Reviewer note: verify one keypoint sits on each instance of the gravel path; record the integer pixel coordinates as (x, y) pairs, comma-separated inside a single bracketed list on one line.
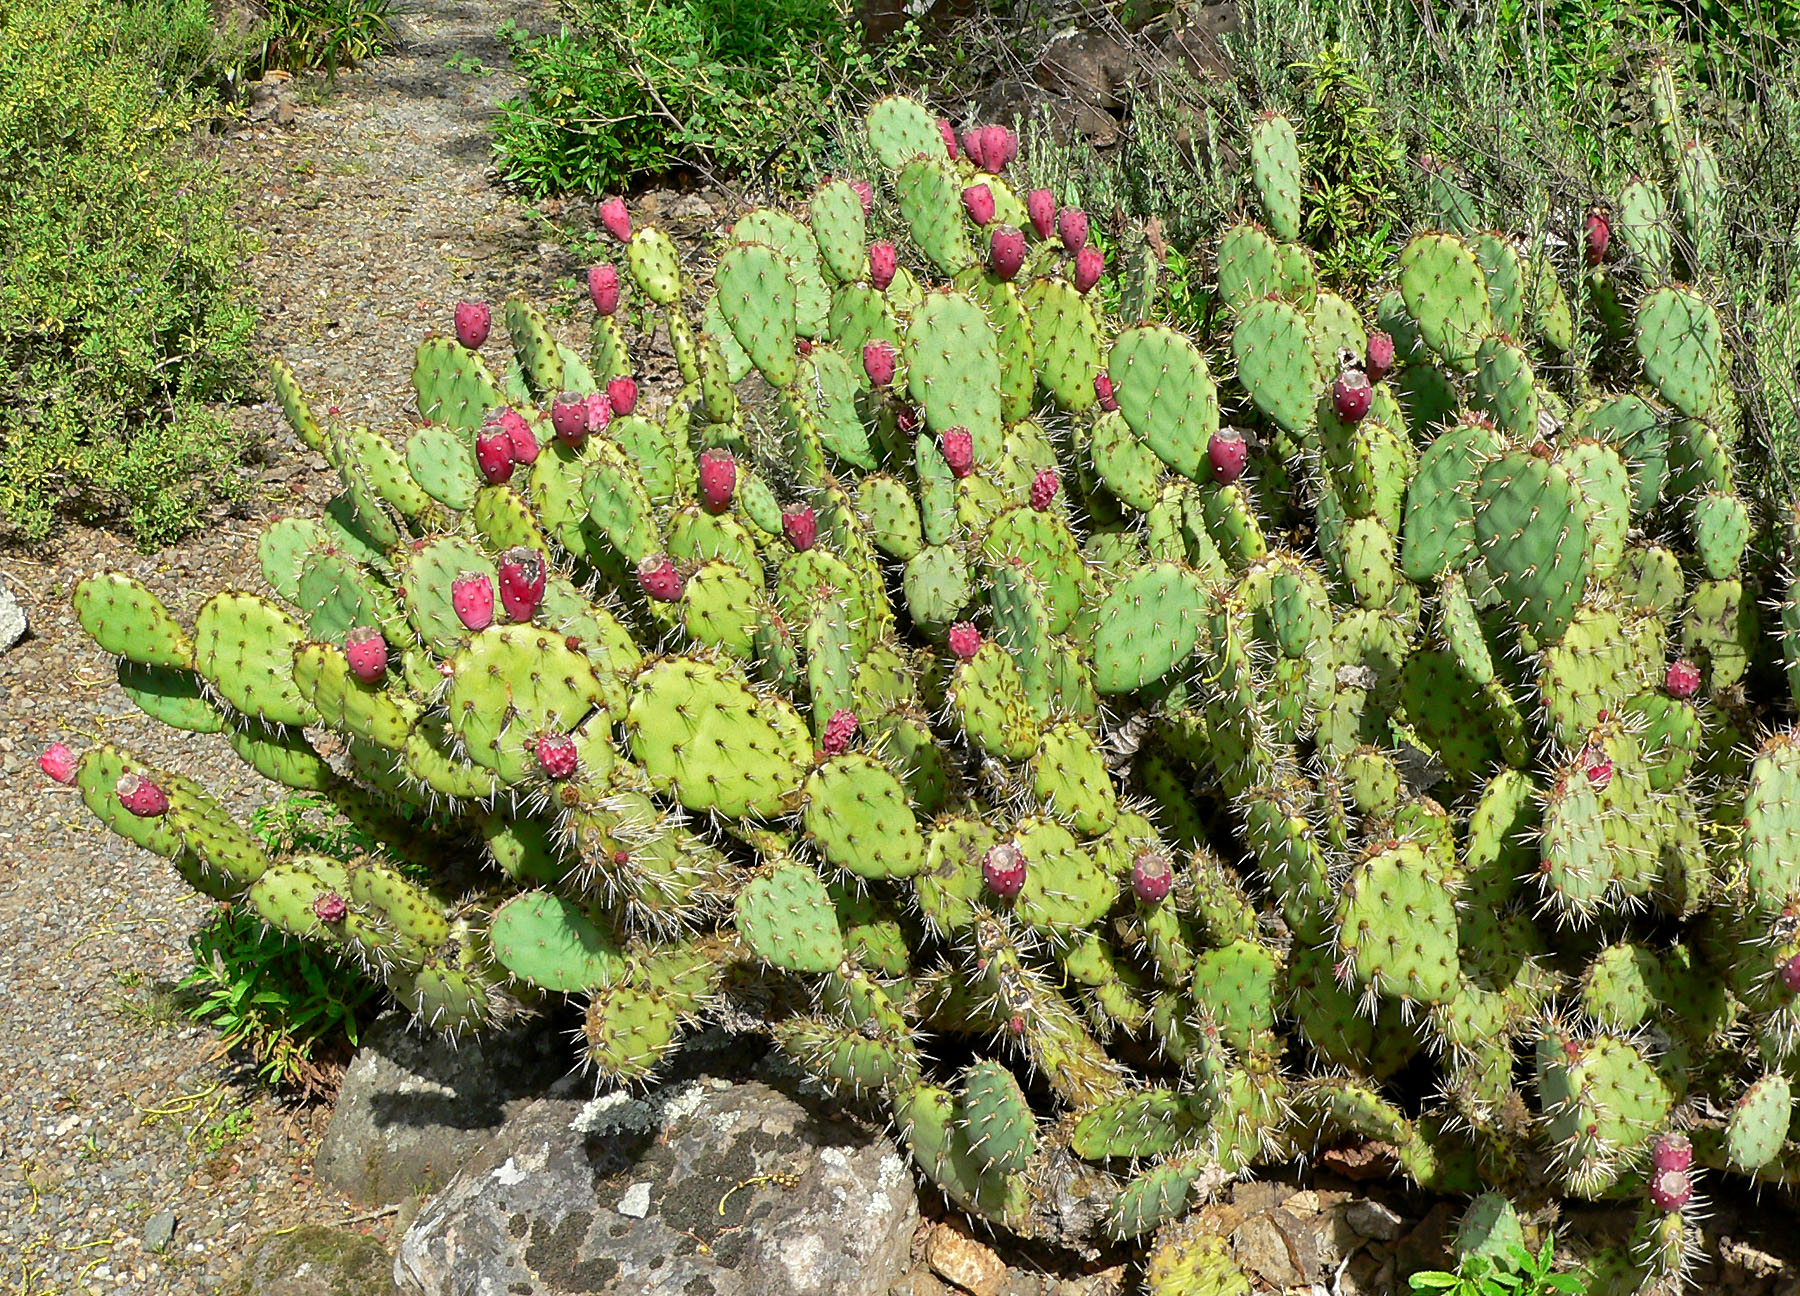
[(375, 215)]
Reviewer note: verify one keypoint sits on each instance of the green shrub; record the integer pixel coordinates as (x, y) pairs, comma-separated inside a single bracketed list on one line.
[(302, 35)]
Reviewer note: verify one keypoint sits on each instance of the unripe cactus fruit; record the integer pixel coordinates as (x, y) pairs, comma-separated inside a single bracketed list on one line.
[(569, 416), (519, 436), (522, 579), (1040, 206), (1003, 869), (330, 907), (1072, 228), (965, 640), (599, 411), (59, 763), (978, 201), (603, 288), (1227, 453), (865, 194), (1598, 766), (1671, 1151), (1006, 252), (1089, 266), (659, 578), (616, 219), (884, 260), (840, 728), (621, 394), (142, 797), (1670, 1190), (472, 595), (1103, 391), (718, 479), (959, 451), (879, 359), (1790, 974), (801, 527), (1351, 394), (366, 653), (473, 320), (494, 454), (1378, 356), (556, 755), (1599, 234), (1151, 876), (1044, 488), (1682, 679), (949, 135)]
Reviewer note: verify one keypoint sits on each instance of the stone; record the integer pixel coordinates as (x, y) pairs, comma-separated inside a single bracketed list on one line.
[(313, 1260), (955, 1256), (159, 1231), (919, 1282), (1372, 1220), (413, 1107), (750, 1191), (1090, 67), (1259, 1246), (13, 622)]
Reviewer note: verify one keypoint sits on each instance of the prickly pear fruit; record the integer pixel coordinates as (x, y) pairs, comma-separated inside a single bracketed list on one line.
[(1089, 266), (959, 450), (801, 527), (616, 219), (865, 193), (1151, 876), (603, 288), (599, 411), (473, 319), (1040, 206), (884, 260), (1006, 252), (1671, 1151), (519, 436), (949, 135), (365, 651), (1378, 357), (59, 763), (718, 479), (1351, 394), (840, 728), (142, 797), (569, 416), (1670, 1190), (991, 148), (1003, 869), (522, 578), (965, 640), (1682, 679), (1227, 453), (494, 453), (1072, 228), (978, 201), (906, 418), (1103, 390), (330, 907), (1044, 487), (556, 755), (974, 144), (879, 359), (1599, 234), (472, 595), (622, 394), (1597, 765), (659, 578), (1790, 975)]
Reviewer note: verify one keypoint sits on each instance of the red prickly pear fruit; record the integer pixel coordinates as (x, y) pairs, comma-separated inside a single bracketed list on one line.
[(1006, 252), (1044, 487), (879, 360), (1598, 766), (330, 907), (803, 345), (59, 763), (1682, 679), (599, 411), (556, 755), (1790, 975), (1072, 228), (1089, 266), (616, 219), (718, 479), (801, 527), (974, 144), (1002, 147), (1670, 1190), (884, 261), (1378, 357), (366, 653), (959, 451), (865, 194), (659, 578), (1040, 206), (473, 320), (522, 580), (603, 287), (569, 416), (906, 419), (1103, 390), (142, 797), (840, 728), (1671, 1151), (1003, 869), (978, 201), (949, 138), (1351, 394), (965, 640), (1599, 234), (472, 595), (519, 436), (1227, 452), (621, 394), (1151, 876), (494, 454)]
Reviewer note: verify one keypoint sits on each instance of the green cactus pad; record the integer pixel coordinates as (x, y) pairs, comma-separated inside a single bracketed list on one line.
[(1681, 348), (1397, 925), (856, 815), (786, 918), (127, 620), (549, 942), (1163, 388), (1531, 531)]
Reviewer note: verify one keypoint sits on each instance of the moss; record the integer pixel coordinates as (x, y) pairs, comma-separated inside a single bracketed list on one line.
[(336, 1262)]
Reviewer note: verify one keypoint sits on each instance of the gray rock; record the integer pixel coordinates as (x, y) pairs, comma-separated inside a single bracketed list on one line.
[(159, 1231), (1371, 1219), (750, 1193), (414, 1107), (313, 1260), (13, 623)]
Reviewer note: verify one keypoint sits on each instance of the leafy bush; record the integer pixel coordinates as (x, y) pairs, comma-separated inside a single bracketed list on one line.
[(302, 35)]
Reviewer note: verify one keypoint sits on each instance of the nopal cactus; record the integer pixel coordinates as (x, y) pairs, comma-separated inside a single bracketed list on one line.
[(1198, 780)]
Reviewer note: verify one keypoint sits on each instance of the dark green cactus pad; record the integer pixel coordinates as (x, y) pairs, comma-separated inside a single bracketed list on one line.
[(547, 941), (1438, 533), (1273, 350), (1161, 382), (1149, 623), (1066, 341), (930, 194), (953, 369), (1531, 529), (453, 384), (1681, 347)]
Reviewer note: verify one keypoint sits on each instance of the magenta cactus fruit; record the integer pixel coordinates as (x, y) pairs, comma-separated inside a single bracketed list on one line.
[(519, 436), (473, 320), (949, 135), (1378, 356), (141, 796), (472, 595), (1044, 488), (1682, 679), (58, 763), (1089, 266), (1072, 228), (366, 653), (1671, 1151), (616, 219), (494, 454), (330, 907), (958, 448), (718, 479), (884, 261), (1040, 207), (1598, 234), (557, 756), (660, 579), (622, 394), (879, 361), (1003, 869), (1151, 876), (801, 527), (599, 411), (1670, 1189), (1006, 252), (1789, 972), (840, 728), (965, 640), (603, 288), (974, 146), (1227, 453), (978, 201), (1103, 392), (865, 194), (906, 418), (1351, 394), (991, 147), (1597, 765), (522, 580), (569, 416)]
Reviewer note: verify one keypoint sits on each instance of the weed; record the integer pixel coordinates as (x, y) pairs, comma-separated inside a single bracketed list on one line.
[(1522, 1273)]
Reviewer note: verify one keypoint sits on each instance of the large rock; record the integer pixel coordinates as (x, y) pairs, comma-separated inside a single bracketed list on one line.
[(414, 1107), (13, 622), (707, 1188), (313, 1260)]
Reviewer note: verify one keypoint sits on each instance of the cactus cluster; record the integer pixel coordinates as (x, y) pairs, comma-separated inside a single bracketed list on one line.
[(1126, 759)]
